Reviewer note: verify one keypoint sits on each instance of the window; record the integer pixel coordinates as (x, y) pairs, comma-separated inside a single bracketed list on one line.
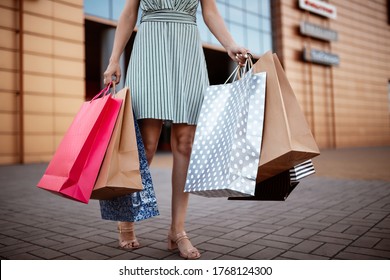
[(248, 21)]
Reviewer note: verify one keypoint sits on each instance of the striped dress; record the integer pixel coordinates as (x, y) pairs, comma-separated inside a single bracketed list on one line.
[(167, 71)]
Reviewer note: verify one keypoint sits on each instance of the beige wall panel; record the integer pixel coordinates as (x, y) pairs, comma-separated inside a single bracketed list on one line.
[(41, 144), (9, 3), (38, 64), (8, 122), (8, 18), (38, 84), (39, 157), (4, 159), (8, 102), (62, 124), (41, 7), (9, 145), (8, 81), (8, 59), (68, 49), (69, 31), (38, 104), (69, 68), (38, 123), (70, 87), (69, 106), (37, 24), (73, 2), (8, 39), (38, 44), (68, 13)]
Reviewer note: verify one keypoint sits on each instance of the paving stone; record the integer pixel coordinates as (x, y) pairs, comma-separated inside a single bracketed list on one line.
[(100, 239), (334, 240), (107, 251), (338, 227), (234, 234), (358, 230), (306, 246), (126, 256), (88, 255), (46, 253), (45, 242), (302, 256), (384, 224), (383, 244), (68, 244), (152, 253), (227, 257), (226, 242), (24, 256), (355, 256), (273, 244), (305, 233), (338, 235), (247, 250), (267, 254), (285, 239), (80, 247), (366, 242), (328, 250), (215, 248), (9, 241), (370, 252)]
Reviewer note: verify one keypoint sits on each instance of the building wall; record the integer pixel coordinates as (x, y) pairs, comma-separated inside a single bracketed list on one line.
[(346, 105), (53, 79)]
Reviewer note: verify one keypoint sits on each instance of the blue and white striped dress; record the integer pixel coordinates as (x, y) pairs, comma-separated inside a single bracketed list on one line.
[(167, 72)]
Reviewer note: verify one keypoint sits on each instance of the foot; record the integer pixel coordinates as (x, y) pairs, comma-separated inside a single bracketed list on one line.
[(127, 239), (181, 241)]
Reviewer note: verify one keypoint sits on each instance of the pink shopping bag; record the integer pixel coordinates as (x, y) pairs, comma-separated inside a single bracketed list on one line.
[(73, 170)]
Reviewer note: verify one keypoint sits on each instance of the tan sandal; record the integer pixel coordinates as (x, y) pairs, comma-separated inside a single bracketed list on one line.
[(186, 251), (126, 243)]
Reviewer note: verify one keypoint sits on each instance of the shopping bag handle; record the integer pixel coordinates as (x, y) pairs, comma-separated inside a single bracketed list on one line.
[(239, 71), (103, 92)]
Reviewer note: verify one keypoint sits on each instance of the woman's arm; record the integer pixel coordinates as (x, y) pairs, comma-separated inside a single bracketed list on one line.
[(126, 24), (215, 23)]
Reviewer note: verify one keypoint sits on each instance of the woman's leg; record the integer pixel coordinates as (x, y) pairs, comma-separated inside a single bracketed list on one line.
[(150, 131), (182, 136)]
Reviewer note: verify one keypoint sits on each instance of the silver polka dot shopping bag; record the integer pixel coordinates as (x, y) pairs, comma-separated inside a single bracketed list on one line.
[(226, 150)]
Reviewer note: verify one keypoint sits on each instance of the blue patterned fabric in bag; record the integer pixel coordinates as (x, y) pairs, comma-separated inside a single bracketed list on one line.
[(136, 206)]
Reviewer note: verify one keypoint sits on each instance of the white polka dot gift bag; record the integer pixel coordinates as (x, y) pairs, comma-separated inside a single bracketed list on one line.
[(226, 150)]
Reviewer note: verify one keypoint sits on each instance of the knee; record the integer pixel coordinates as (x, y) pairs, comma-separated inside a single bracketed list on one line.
[(182, 146), (150, 150)]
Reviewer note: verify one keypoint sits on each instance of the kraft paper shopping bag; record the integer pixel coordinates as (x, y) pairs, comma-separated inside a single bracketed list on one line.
[(287, 139), (120, 171)]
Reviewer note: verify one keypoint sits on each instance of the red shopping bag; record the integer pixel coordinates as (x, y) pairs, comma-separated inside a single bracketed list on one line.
[(73, 170)]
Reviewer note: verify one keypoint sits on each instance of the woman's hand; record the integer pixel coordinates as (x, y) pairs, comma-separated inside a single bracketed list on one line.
[(112, 73), (238, 54)]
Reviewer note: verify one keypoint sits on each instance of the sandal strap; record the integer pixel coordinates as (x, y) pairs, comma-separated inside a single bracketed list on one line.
[(124, 229)]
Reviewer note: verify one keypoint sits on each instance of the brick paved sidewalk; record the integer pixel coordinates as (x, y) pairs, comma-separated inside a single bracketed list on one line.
[(328, 216)]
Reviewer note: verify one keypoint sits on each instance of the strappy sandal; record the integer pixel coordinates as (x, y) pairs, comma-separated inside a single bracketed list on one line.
[(186, 252), (127, 244)]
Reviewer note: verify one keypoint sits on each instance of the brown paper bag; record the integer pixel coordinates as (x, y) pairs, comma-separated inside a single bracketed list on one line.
[(287, 139), (120, 171)]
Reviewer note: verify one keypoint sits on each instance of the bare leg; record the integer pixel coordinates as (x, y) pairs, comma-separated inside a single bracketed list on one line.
[(182, 136), (150, 131)]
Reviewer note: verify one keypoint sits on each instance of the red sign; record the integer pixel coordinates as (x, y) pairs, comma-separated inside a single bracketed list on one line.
[(319, 7)]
